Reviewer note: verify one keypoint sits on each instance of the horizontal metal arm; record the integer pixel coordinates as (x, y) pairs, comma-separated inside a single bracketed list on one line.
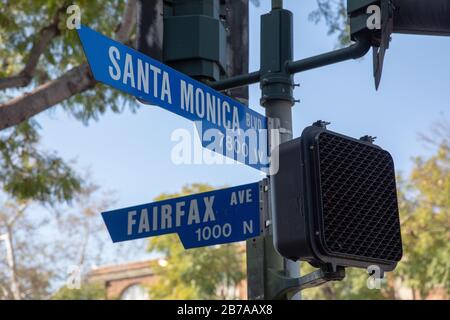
[(290, 286), (236, 82), (355, 51)]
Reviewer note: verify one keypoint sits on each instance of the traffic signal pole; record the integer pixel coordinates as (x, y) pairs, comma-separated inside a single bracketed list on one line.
[(264, 262)]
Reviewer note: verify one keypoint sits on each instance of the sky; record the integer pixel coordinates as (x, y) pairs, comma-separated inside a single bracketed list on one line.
[(130, 154)]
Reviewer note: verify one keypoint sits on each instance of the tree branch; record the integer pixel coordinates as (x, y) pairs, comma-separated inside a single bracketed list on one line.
[(127, 22), (11, 257), (21, 108), (41, 42), (76, 80)]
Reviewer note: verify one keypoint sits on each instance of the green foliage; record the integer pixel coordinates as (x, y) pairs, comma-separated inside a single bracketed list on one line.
[(88, 291), (425, 206), (196, 273), (20, 24), (334, 13), (26, 173), (424, 201)]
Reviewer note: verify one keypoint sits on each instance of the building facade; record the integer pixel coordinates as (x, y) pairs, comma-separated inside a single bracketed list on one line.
[(131, 281)]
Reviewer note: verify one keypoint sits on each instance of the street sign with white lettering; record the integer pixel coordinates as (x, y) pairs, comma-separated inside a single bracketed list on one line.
[(228, 127), (204, 219)]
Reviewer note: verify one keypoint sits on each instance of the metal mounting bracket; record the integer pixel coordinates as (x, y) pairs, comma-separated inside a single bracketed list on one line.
[(281, 285)]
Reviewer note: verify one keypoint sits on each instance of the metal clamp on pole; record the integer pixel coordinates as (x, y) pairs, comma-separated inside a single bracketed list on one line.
[(282, 285)]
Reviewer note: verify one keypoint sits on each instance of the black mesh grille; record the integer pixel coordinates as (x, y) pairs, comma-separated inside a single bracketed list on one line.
[(360, 210)]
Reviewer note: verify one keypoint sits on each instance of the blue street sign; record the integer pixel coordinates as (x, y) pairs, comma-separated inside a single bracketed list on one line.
[(242, 132), (203, 219)]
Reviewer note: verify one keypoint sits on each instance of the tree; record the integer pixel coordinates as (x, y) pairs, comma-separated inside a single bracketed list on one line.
[(26, 172), (39, 248), (425, 206), (94, 291), (424, 201), (38, 51), (334, 14), (202, 273), (28, 176)]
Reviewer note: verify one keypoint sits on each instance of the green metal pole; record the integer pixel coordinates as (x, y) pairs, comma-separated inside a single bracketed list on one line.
[(277, 87)]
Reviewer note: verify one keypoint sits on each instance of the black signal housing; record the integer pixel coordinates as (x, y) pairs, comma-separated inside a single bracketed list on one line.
[(336, 202)]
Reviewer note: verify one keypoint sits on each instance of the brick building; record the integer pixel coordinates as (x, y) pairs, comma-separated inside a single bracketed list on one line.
[(124, 281), (130, 281)]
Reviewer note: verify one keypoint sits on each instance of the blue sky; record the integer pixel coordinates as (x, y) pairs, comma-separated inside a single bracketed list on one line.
[(130, 153)]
